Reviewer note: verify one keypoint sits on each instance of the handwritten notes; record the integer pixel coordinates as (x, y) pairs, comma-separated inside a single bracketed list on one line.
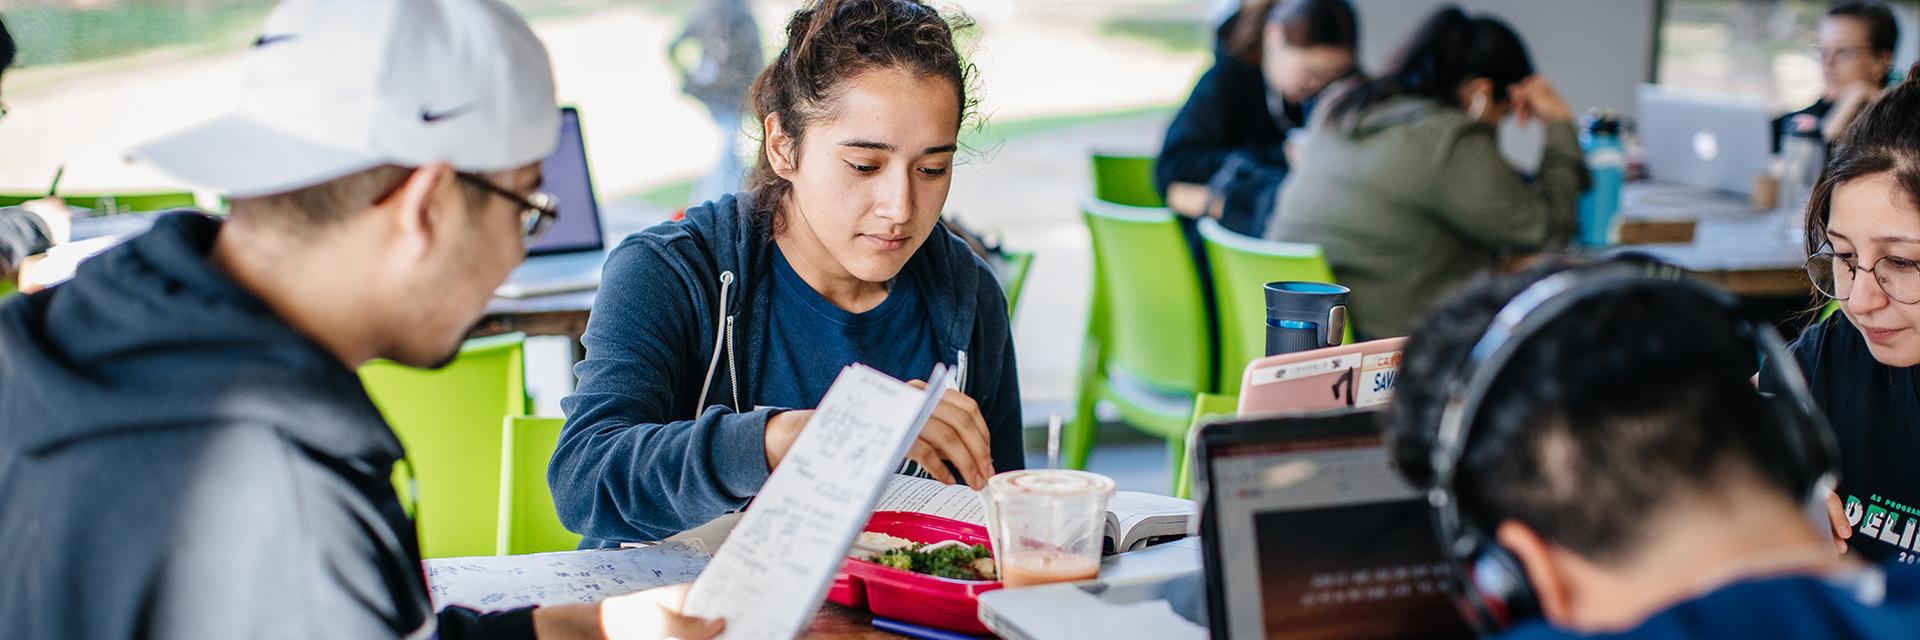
[(490, 583), (773, 571)]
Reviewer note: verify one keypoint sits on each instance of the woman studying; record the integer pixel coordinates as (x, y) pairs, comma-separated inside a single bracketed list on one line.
[(713, 337)]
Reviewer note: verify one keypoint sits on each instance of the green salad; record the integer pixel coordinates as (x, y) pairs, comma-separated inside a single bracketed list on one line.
[(957, 562)]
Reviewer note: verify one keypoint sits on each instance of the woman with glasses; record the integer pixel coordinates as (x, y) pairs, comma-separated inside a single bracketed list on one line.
[(1225, 153), (1856, 63), (1863, 235), (713, 338)]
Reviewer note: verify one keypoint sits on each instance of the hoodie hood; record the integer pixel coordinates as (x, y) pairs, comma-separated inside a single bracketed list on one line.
[(728, 234), (1394, 112), (150, 335)]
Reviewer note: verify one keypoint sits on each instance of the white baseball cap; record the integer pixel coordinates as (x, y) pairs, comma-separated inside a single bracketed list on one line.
[(334, 87)]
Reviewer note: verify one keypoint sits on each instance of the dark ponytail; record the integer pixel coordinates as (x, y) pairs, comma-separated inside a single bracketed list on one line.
[(1447, 51), (1881, 139), (830, 42)]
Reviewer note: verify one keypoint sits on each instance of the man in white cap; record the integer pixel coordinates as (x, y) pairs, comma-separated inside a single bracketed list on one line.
[(185, 450)]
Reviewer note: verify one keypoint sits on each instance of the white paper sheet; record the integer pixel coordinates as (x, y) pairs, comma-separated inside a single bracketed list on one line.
[(773, 571), (489, 583), (920, 495)]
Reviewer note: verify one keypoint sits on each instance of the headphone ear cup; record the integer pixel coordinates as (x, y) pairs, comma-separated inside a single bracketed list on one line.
[(1498, 594)]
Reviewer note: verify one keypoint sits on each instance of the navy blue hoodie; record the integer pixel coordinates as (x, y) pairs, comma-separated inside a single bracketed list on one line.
[(177, 462), (1227, 137), (680, 318)]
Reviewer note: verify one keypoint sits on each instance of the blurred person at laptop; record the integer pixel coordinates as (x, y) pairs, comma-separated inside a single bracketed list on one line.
[(1863, 236), (185, 449), (713, 337), (35, 226), (1855, 52), (1225, 153), (1640, 483), (1402, 182)]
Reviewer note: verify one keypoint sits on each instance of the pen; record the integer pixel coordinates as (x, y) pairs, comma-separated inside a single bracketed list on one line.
[(916, 631), (55, 187)]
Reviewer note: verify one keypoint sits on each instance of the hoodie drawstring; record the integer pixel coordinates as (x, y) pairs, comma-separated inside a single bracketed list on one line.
[(720, 327)]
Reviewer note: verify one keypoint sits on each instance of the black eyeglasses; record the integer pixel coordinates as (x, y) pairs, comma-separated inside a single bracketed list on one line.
[(538, 210)]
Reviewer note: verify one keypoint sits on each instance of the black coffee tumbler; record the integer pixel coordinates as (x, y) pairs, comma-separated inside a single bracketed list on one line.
[(1303, 316)]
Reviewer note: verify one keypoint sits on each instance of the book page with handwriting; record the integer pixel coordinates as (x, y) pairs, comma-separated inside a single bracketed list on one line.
[(770, 576)]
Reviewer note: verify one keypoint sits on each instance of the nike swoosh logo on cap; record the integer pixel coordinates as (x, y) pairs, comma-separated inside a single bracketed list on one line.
[(430, 116), (265, 39)]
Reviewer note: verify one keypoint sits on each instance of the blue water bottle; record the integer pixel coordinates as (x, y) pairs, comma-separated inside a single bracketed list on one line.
[(1607, 163)]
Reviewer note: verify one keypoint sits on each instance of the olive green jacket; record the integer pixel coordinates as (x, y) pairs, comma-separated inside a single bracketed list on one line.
[(1411, 198)]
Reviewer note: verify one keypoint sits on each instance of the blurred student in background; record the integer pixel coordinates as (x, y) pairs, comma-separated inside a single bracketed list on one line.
[(35, 226), (1225, 154), (1857, 38), (714, 337), (1863, 236), (1402, 181)]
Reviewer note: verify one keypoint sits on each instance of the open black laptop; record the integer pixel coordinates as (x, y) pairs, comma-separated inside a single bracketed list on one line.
[(1309, 532), (568, 257)]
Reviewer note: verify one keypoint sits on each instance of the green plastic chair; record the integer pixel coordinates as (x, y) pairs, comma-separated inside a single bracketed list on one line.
[(1014, 277), (528, 522), (1147, 348), (1242, 267), (121, 202), (1206, 407), (1828, 310), (449, 422), (1125, 179)]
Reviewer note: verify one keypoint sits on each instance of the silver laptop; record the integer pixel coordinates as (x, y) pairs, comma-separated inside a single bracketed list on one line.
[(1707, 140), (568, 257)]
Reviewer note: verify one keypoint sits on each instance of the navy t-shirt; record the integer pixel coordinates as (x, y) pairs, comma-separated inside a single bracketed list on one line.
[(809, 340), (1874, 410), (1868, 603)]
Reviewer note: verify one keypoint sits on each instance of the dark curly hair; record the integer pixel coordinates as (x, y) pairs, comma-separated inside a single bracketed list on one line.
[(831, 42), (1622, 402)]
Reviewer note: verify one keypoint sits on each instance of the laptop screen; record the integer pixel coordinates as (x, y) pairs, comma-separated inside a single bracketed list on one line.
[(564, 176), (1313, 534)]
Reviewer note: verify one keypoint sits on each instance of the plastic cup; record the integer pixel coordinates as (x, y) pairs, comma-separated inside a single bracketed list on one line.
[(1047, 525)]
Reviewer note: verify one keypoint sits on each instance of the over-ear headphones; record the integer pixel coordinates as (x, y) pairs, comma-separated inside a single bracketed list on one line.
[(1494, 592)]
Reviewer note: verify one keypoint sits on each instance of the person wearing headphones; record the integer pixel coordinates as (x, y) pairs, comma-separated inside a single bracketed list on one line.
[(1598, 462), (1863, 239)]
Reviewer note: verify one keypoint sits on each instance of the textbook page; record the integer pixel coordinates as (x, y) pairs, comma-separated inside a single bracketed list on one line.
[(770, 576), (931, 497)]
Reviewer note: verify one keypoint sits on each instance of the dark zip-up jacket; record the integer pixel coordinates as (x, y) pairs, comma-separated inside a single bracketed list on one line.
[(663, 433), (178, 462)]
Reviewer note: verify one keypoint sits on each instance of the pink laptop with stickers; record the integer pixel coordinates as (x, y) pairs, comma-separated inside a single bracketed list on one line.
[(1353, 375)]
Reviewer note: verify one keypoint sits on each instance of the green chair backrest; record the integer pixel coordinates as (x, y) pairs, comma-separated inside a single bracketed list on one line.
[(1206, 407), (449, 421), (122, 202), (528, 522), (1156, 327), (1242, 267), (1828, 310), (1019, 265), (1125, 179), (6, 288)]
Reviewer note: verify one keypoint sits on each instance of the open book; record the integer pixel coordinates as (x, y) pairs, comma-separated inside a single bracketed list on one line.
[(1135, 520)]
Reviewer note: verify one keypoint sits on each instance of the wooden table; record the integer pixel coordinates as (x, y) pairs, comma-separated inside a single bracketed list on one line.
[(1716, 237), (842, 623)]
